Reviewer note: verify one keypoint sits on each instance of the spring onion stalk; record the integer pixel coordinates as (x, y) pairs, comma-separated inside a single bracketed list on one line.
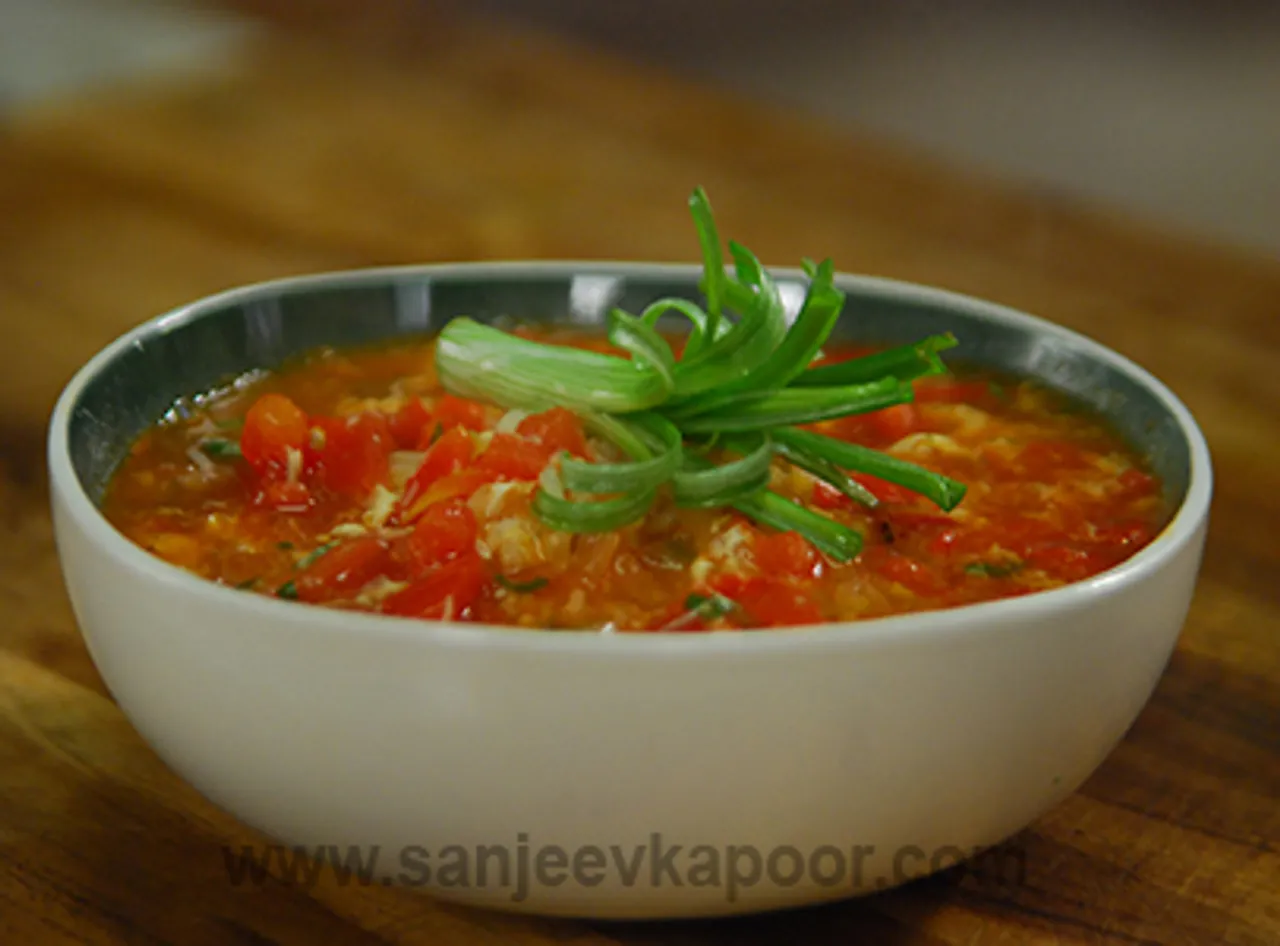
[(803, 406), (943, 492), (769, 508), (906, 363), (647, 347), (592, 515), (703, 484), (485, 363), (649, 469), (742, 384), (826, 471), (793, 356), (828, 536), (699, 322), (713, 274), (747, 345)]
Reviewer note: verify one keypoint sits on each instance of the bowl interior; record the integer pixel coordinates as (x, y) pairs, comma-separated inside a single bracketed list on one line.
[(205, 345)]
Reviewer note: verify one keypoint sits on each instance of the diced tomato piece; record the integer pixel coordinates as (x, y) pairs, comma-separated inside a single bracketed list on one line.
[(447, 455), (908, 520), (353, 455), (951, 391), (557, 429), (446, 593), (453, 411), (775, 603), (320, 432), (1045, 458), (852, 428), (891, 424), (735, 586), (273, 426), (1022, 534), (514, 458), (974, 541), (768, 601), (939, 531), (459, 485), (286, 496), (342, 570), (409, 424), (445, 531), (944, 542), (883, 490), (909, 573), (786, 554), (826, 496), (1065, 561)]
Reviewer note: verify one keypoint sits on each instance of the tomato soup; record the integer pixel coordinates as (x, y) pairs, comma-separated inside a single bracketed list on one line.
[(351, 479)]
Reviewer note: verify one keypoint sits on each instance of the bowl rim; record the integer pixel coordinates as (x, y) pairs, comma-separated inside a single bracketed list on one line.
[(66, 487)]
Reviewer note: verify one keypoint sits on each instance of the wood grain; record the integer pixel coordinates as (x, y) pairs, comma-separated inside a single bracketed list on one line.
[(416, 138)]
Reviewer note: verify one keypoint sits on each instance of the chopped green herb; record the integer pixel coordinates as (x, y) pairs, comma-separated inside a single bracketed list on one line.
[(992, 569), (246, 584), (310, 558), (221, 449), (436, 433), (710, 606), (522, 587), (284, 546), (288, 590)]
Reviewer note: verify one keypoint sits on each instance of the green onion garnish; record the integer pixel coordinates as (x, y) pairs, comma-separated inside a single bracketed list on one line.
[(944, 493), (826, 471), (521, 587), (592, 515), (742, 385), (799, 346), (905, 363), (310, 558), (647, 347), (650, 466), (713, 278), (826, 535), (702, 484), (484, 363), (797, 406), (710, 606), (221, 449), (288, 590), (993, 569)]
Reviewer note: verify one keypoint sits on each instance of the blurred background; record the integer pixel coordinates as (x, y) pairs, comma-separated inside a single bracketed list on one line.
[(1113, 166), (1165, 109)]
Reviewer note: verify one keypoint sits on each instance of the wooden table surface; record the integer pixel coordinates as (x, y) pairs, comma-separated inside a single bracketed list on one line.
[(453, 140)]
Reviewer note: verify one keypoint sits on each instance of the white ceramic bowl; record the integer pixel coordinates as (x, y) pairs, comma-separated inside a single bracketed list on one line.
[(911, 739)]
